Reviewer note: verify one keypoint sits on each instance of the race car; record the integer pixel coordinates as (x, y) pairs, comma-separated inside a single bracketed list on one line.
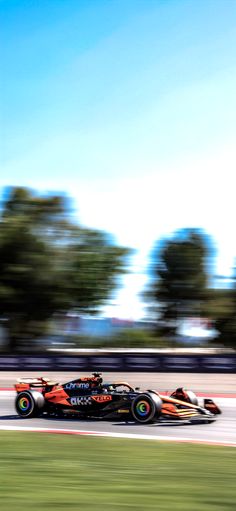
[(90, 397)]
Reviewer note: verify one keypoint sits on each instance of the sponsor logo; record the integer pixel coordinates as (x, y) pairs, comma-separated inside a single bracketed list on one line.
[(71, 386), (70, 362), (147, 362), (10, 361), (78, 401), (102, 398), (112, 362), (83, 385), (36, 362), (218, 362), (181, 362)]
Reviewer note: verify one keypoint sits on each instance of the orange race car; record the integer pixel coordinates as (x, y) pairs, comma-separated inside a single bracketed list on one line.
[(90, 397)]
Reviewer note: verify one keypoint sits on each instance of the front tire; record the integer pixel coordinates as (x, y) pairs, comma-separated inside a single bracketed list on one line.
[(185, 395), (145, 408), (29, 404), (192, 398)]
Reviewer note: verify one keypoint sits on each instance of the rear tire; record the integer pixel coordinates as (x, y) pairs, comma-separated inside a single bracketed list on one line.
[(29, 404), (145, 408)]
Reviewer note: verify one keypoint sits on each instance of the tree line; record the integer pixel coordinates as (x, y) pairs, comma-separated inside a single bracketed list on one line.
[(184, 284), (49, 263)]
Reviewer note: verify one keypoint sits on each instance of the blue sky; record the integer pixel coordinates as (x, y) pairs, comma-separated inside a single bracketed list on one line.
[(128, 106)]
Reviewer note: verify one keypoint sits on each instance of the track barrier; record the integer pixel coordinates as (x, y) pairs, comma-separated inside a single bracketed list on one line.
[(123, 361)]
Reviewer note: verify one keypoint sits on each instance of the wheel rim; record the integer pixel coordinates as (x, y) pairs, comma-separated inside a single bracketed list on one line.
[(24, 404), (143, 409)]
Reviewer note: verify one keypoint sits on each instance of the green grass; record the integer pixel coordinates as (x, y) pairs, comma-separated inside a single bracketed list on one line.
[(45, 472)]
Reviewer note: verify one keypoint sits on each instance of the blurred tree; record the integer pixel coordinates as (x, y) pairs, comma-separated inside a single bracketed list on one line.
[(48, 263), (95, 264), (180, 276), (222, 309)]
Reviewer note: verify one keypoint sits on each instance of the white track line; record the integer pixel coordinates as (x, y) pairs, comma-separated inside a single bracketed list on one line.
[(117, 435)]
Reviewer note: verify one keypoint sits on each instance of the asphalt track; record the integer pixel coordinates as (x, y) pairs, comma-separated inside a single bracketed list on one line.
[(222, 431), (207, 383)]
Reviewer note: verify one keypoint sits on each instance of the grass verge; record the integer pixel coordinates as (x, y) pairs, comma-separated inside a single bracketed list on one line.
[(65, 473)]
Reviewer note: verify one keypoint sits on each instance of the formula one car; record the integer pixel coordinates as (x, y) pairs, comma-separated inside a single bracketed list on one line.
[(90, 397)]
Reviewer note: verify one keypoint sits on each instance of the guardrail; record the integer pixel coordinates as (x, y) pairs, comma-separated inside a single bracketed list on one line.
[(122, 361)]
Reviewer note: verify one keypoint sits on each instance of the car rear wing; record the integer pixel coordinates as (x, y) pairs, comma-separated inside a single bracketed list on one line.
[(27, 383)]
